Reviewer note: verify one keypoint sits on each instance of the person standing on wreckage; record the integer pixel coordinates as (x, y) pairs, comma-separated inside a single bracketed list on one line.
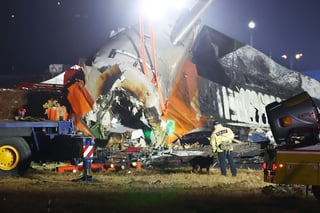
[(221, 142)]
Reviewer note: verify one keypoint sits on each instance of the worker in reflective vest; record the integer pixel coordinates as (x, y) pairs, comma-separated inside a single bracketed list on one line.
[(221, 142)]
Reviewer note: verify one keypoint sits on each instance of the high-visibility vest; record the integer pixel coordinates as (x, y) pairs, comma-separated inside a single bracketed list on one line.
[(221, 138)]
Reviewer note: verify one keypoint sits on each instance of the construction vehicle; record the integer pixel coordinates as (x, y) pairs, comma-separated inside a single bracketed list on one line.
[(294, 159), (35, 127)]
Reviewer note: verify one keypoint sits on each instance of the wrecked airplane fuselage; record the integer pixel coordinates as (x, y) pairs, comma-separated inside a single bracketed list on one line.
[(143, 78), (131, 77)]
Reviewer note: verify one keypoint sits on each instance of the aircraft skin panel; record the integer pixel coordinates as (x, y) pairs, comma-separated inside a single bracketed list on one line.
[(184, 103), (215, 102)]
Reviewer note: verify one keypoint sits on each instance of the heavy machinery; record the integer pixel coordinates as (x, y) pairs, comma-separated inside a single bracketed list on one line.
[(295, 157), (35, 127)]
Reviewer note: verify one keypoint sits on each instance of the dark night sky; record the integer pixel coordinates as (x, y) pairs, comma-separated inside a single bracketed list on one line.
[(282, 27), (42, 32)]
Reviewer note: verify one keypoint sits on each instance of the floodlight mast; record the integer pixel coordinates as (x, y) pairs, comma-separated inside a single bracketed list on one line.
[(251, 25)]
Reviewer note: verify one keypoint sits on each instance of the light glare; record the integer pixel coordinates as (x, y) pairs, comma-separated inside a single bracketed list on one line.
[(252, 24), (298, 55), (156, 9)]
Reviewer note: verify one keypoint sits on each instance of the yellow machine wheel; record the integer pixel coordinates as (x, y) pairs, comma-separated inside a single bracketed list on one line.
[(15, 156), (9, 157)]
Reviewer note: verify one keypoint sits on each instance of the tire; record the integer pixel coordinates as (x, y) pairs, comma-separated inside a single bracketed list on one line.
[(15, 156)]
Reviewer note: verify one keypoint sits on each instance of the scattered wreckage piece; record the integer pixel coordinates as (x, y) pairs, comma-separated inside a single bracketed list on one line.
[(165, 158)]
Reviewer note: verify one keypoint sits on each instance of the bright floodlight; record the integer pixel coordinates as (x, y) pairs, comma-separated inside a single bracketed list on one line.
[(298, 55), (252, 25), (156, 9)]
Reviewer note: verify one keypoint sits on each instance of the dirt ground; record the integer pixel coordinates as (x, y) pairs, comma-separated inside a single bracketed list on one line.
[(145, 190)]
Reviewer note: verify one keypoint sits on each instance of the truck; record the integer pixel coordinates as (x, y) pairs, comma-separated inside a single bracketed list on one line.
[(294, 158), (36, 126)]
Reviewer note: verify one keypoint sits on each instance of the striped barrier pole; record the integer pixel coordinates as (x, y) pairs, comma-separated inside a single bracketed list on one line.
[(87, 146), (87, 157)]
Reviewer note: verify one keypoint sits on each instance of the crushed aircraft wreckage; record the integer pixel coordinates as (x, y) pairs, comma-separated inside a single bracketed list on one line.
[(174, 77)]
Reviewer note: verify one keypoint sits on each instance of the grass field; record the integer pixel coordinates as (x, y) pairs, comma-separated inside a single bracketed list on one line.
[(145, 190)]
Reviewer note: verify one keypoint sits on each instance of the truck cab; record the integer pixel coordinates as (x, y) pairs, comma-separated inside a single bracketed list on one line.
[(295, 159)]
